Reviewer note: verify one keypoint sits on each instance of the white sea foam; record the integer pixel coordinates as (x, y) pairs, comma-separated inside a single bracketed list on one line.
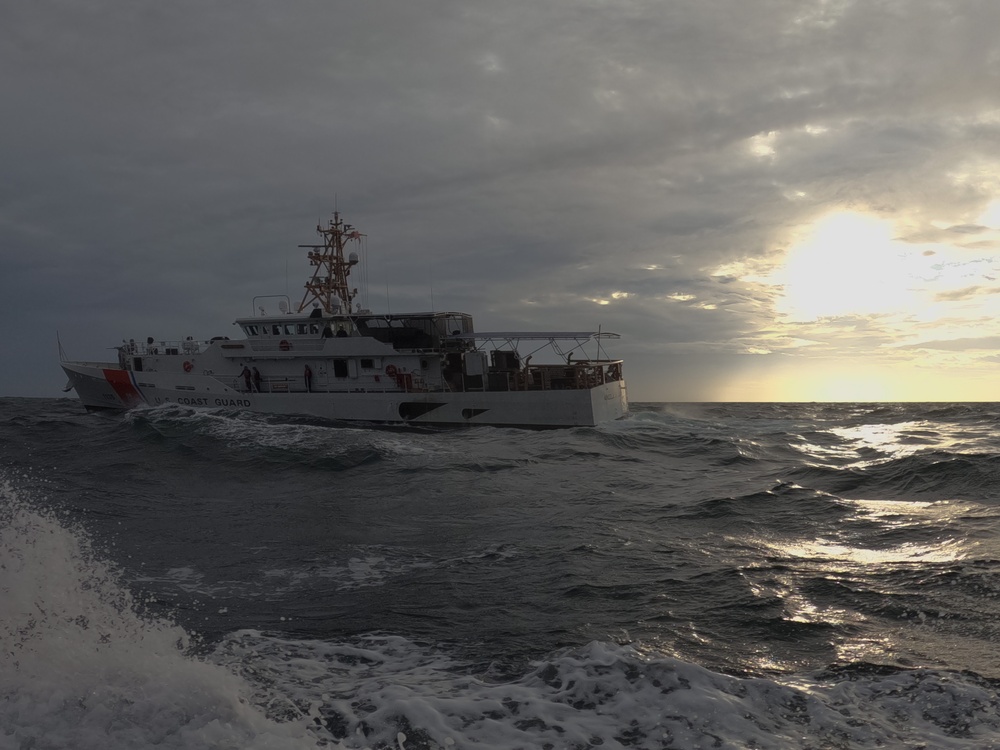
[(295, 439), (375, 567), (81, 668), (383, 691)]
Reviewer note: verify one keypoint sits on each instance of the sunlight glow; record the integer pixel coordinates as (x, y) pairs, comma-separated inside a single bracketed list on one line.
[(848, 264), (991, 216), (860, 308)]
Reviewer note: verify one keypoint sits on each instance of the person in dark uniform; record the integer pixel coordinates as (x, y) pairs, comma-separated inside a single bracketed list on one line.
[(308, 376), (246, 377), (256, 380)]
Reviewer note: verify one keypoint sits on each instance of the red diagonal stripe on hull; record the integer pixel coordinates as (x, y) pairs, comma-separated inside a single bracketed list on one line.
[(122, 383)]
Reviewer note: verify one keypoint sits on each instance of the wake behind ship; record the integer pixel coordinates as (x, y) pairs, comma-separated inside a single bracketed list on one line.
[(334, 360)]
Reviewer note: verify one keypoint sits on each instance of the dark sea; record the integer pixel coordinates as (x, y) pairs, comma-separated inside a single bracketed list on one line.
[(693, 576)]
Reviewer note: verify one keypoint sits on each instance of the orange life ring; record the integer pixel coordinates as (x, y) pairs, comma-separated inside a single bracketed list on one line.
[(391, 370), (188, 366), (284, 345)]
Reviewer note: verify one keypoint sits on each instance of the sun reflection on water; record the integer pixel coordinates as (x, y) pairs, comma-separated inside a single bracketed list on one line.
[(867, 601), (888, 514), (825, 551), (870, 444)]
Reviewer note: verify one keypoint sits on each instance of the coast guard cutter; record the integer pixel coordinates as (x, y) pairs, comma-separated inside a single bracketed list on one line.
[(331, 359)]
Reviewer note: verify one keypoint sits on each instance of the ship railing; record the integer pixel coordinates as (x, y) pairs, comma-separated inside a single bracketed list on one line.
[(163, 347), (574, 375)]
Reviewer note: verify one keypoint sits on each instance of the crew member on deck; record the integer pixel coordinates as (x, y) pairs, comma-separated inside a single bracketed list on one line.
[(308, 377), (246, 377)]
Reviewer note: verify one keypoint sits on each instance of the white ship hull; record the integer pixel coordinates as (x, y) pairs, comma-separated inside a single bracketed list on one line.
[(106, 386)]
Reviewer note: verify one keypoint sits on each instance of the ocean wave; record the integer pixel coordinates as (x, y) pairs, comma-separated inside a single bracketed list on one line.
[(554, 577), (243, 438), (781, 505), (928, 475), (86, 665)]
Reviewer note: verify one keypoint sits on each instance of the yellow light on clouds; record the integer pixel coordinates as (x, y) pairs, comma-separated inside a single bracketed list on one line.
[(900, 305)]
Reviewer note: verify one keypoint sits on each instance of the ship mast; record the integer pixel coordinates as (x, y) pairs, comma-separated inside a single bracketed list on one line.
[(328, 285)]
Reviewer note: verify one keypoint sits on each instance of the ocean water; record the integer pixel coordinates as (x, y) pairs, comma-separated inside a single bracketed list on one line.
[(693, 576)]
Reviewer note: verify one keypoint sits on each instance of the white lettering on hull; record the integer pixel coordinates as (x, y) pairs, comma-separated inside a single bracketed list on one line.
[(201, 401)]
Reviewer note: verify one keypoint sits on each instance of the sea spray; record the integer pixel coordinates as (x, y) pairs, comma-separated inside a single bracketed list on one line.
[(81, 667)]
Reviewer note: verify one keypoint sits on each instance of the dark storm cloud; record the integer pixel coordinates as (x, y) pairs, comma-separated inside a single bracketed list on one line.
[(525, 161)]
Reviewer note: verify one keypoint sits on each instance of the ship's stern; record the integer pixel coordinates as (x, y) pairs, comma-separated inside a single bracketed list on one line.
[(609, 401)]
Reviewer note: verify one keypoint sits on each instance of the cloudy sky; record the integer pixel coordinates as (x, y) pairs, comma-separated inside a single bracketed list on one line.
[(767, 199)]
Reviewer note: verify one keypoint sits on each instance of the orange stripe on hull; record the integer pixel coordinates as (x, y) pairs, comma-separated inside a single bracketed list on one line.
[(121, 381)]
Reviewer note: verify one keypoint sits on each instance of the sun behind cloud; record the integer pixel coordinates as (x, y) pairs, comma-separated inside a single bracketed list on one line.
[(864, 312), (848, 264)]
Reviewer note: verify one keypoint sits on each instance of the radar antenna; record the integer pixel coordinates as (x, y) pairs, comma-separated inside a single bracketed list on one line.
[(328, 285)]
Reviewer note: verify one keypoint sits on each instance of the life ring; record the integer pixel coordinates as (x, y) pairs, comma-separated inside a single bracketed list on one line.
[(391, 370), (284, 345), (188, 366)]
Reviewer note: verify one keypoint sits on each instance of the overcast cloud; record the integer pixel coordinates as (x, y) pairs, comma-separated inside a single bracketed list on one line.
[(649, 167)]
